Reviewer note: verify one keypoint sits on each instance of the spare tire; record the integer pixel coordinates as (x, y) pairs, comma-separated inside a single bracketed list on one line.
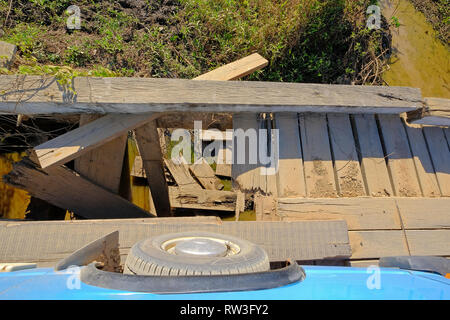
[(195, 253)]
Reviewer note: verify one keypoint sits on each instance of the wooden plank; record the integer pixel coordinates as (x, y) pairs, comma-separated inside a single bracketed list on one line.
[(290, 176), (43, 95), (429, 242), (363, 263), (236, 69), (373, 164), (400, 163), (359, 213), (266, 208), (376, 244), (447, 135), (224, 160), (423, 213), (138, 168), (437, 112), (319, 173), (148, 141), (79, 141), (422, 160), (180, 172), (245, 175), (203, 199), (440, 155), (349, 177), (48, 241), (103, 165), (205, 175), (66, 189)]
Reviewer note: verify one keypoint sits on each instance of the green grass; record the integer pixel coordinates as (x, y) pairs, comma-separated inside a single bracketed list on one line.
[(304, 40)]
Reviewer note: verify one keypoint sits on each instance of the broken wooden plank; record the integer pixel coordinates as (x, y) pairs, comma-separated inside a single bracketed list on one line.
[(149, 147), (440, 156), (349, 177), (236, 69), (359, 213), (138, 168), (423, 213), (205, 175), (373, 164), (422, 160), (436, 112), (103, 165), (203, 199), (290, 176), (180, 172), (400, 162), (44, 95), (429, 242), (66, 189), (79, 141), (376, 244), (319, 172)]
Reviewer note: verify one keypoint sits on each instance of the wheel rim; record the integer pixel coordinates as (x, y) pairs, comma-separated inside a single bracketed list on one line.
[(200, 247)]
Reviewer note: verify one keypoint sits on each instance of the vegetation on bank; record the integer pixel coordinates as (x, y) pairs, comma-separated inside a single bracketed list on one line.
[(437, 13), (323, 41)]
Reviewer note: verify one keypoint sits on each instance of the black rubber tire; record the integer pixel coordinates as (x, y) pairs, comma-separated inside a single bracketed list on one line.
[(148, 258)]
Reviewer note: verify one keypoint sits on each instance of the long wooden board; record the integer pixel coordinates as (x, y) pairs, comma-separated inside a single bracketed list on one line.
[(400, 162), (424, 166), (348, 171), (429, 242), (359, 213), (149, 147), (66, 189), (376, 244), (425, 213), (79, 141), (373, 164), (440, 155), (43, 95), (47, 242), (103, 165), (318, 165), (290, 176)]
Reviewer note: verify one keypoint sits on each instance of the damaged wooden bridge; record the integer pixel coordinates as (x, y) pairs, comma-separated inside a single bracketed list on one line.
[(376, 158)]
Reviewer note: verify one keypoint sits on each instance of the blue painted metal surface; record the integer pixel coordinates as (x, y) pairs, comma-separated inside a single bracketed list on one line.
[(320, 283)]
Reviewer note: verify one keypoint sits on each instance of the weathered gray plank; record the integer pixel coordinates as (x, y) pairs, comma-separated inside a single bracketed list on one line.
[(423, 213), (103, 165), (436, 113), (46, 242), (429, 242), (424, 166), (400, 162), (440, 155), (44, 95), (79, 141), (181, 174), (205, 175), (66, 189), (348, 171), (359, 213), (318, 166), (376, 244), (291, 179), (203, 199), (373, 164)]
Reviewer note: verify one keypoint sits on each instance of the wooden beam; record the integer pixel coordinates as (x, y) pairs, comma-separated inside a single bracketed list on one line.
[(373, 164), (318, 164), (66, 189), (204, 199), (79, 141), (436, 112), (149, 147), (42, 95), (236, 69), (359, 213), (103, 165), (205, 175)]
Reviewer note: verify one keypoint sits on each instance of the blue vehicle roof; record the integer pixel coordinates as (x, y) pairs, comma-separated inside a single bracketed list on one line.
[(321, 283)]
